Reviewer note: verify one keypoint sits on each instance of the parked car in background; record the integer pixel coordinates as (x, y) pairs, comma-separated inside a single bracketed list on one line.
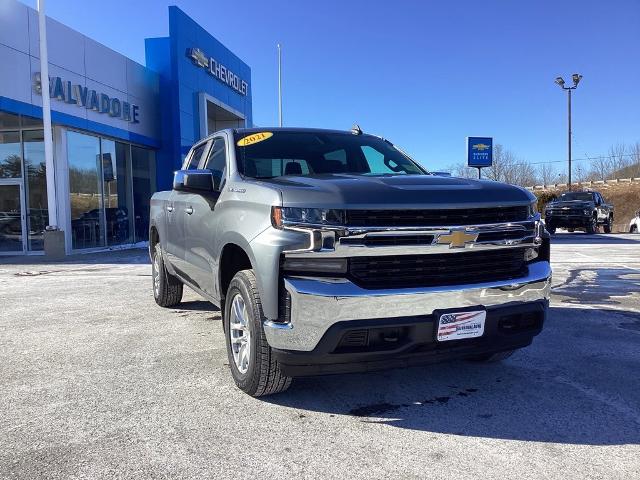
[(586, 210), (634, 224)]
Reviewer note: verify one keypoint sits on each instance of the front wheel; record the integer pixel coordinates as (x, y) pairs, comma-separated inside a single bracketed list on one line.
[(607, 226), (633, 229), (551, 229), (592, 226), (251, 360), (167, 289)]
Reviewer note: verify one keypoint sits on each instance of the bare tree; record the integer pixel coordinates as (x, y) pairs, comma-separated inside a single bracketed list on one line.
[(634, 157), (618, 158), (547, 174)]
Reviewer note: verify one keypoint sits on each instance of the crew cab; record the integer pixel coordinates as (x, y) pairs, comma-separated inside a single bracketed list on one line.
[(587, 210), (333, 251)]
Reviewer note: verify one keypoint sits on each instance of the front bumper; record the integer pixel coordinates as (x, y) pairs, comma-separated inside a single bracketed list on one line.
[(403, 342), (569, 220), (318, 303)]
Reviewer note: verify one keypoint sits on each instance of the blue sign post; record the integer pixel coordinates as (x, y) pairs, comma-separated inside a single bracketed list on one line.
[(479, 152)]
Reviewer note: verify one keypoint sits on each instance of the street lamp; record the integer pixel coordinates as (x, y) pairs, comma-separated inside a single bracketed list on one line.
[(576, 77)]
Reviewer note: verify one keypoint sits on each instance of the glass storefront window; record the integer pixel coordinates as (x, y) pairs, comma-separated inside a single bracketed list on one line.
[(10, 155), (85, 195), (144, 184), (35, 173), (118, 201), (30, 122), (10, 218), (9, 121)]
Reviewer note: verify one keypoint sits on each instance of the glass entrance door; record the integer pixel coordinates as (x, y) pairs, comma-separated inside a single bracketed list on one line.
[(12, 238)]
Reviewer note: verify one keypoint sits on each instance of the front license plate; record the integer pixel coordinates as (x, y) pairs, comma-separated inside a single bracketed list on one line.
[(461, 325)]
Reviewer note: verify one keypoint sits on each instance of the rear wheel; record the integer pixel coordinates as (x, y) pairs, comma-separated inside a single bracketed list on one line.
[(253, 367), (167, 289), (571, 230), (493, 357)]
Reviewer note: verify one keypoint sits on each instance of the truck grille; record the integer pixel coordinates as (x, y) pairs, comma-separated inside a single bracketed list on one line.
[(434, 218), (570, 211), (437, 269)]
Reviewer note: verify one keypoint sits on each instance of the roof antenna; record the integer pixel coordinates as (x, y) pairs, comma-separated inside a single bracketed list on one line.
[(356, 130)]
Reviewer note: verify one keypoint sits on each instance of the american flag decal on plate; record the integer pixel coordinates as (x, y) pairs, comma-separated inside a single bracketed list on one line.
[(461, 325)]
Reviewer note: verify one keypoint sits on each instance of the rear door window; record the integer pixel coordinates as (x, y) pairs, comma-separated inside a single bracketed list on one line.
[(217, 161)]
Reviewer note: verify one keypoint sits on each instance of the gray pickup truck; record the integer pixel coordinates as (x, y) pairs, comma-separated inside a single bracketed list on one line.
[(571, 210), (333, 251)]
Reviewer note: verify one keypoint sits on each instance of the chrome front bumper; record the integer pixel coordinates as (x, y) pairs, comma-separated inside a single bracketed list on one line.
[(318, 303)]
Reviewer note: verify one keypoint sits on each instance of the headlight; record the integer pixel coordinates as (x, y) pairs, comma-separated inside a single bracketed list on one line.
[(587, 211), (533, 209), (281, 216)]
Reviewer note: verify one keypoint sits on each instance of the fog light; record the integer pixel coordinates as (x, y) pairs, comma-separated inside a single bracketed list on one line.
[(530, 254)]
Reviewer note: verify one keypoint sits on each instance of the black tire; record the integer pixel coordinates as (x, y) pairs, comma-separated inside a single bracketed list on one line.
[(571, 230), (592, 226), (633, 229), (607, 226), (492, 357), (551, 229), (167, 289), (263, 375)]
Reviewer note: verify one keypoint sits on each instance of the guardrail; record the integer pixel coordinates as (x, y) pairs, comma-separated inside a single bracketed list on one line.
[(586, 184)]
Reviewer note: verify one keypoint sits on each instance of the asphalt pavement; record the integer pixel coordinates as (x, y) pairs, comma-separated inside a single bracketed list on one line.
[(96, 381)]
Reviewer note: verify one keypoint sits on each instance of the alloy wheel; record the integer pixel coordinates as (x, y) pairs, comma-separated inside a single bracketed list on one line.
[(239, 333), (156, 274)]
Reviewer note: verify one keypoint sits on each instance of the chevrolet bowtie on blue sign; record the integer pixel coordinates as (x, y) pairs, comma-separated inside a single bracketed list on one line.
[(479, 151)]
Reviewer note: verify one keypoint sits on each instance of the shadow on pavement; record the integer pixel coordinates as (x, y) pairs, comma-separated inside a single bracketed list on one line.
[(514, 399), (585, 239), (118, 257), (598, 286)]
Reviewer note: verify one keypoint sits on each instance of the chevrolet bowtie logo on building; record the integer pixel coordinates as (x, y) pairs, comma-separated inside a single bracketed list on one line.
[(481, 147), (457, 238), (198, 57), (217, 70)]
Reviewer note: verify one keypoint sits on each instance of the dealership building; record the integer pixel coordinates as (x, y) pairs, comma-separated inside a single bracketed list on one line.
[(120, 129)]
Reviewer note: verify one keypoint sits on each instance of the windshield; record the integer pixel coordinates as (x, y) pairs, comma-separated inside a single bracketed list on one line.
[(268, 155), (583, 196)]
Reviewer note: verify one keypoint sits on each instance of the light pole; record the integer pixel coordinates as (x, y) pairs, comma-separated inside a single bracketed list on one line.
[(279, 85), (576, 77)]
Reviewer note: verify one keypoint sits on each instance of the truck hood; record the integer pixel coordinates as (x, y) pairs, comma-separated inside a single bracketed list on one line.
[(395, 191)]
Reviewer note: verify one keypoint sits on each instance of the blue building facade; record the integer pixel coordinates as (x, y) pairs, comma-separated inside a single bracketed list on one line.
[(120, 129), (206, 86)]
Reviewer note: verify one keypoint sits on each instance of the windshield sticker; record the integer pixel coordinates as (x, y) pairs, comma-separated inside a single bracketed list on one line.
[(255, 138)]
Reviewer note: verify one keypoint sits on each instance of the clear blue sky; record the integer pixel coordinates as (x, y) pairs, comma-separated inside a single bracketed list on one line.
[(424, 74)]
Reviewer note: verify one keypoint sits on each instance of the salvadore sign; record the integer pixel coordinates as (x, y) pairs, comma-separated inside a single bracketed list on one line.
[(217, 70), (68, 92)]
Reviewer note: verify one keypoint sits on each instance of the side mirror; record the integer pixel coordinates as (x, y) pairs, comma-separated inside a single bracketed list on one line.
[(196, 181)]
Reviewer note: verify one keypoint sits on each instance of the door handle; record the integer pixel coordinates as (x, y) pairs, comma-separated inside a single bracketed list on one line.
[(188, 210), (169, 208)]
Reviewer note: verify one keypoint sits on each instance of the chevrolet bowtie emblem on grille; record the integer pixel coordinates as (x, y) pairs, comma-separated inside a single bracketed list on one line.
[(457, 238), (198, 57)]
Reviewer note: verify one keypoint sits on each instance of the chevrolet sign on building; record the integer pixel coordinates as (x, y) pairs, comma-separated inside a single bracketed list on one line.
[(217, 70)]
